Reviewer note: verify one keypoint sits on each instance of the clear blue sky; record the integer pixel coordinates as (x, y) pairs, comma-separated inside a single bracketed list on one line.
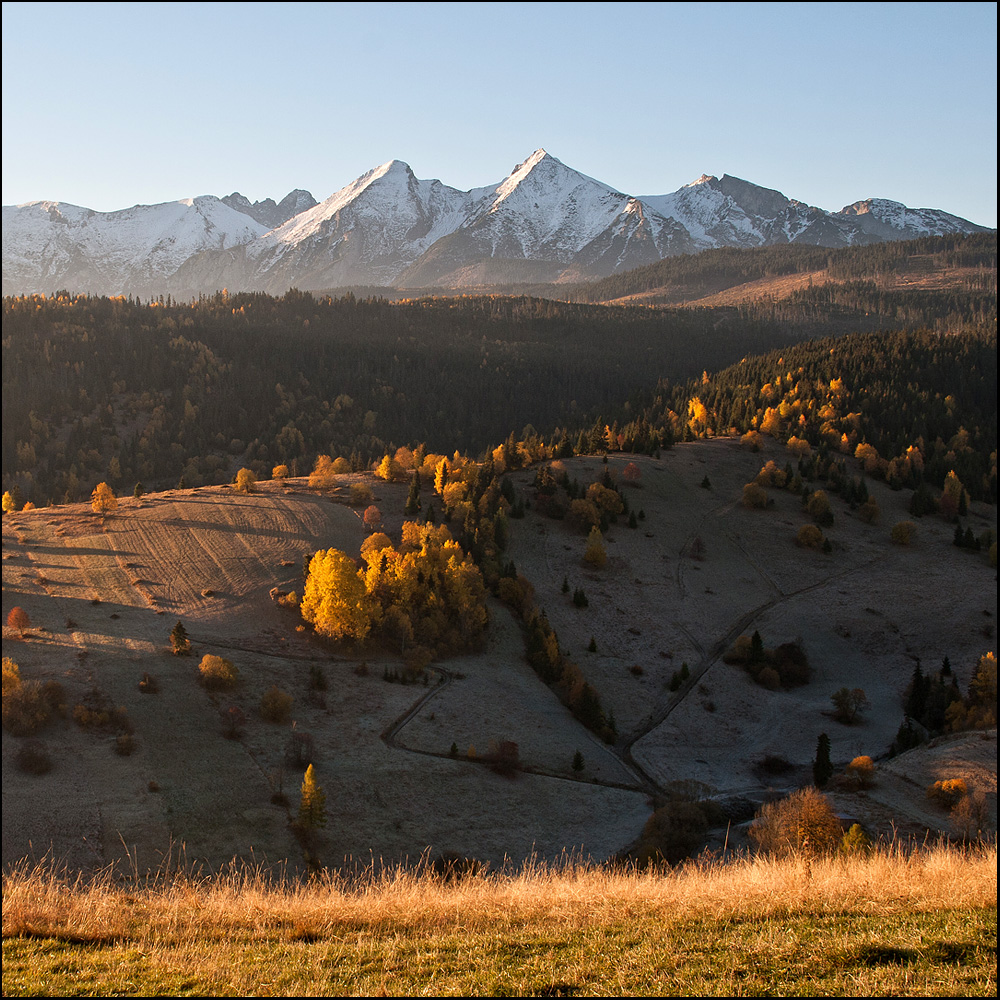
[(109, 105)]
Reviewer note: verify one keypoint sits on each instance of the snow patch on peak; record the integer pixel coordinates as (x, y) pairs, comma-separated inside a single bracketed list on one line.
[(875, 206), (536, 157), (704, 179), (520, 172), (394, 167)]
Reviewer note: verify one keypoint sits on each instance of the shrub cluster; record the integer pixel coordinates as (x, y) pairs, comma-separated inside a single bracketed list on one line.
[(217, 674), (784, 667), (276, 705), (28, 705), (96, 710)]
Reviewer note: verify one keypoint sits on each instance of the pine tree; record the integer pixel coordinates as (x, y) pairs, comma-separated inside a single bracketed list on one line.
[(312, 808), (179, 641), (822, 766), (413, 500)]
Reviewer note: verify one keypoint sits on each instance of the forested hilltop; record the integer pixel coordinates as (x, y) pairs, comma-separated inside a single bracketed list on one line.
[(966, 263), (914, 406), (159, 393)]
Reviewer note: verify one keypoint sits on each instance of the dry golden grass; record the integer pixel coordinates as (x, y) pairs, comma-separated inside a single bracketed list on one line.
[(41, 901), (886, 924)]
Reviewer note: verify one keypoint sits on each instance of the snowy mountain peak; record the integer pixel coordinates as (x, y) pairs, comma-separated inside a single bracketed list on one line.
[(522, 171), (544, 222), (267, 212), (875, 206)]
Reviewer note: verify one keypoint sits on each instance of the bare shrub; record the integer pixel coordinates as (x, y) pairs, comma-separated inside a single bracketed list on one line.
[(869, 511), (674, 832), (772, 765), (848, 703), (33, 758), (903, 532), (453, 867), (504, 758), (233, 722), (970, 816), (769, 678), (300, 749), (803, 823), (28, 705), (276, 705), (149, 684)]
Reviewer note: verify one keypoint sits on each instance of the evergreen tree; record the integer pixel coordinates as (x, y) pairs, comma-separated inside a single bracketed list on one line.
[(916, 699), (822, 766), (179, 641), (413, 499)]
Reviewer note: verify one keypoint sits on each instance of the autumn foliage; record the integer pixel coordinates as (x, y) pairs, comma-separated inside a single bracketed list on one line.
[(103, 499), (18, 619), (426, 596)]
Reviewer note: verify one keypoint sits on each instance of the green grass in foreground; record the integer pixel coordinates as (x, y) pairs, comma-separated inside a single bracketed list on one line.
[(942, 953)]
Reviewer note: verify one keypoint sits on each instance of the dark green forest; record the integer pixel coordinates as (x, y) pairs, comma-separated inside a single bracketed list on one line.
[(162, 392)]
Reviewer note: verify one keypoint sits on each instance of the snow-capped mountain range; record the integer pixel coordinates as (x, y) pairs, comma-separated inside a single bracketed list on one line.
[(543, 222)]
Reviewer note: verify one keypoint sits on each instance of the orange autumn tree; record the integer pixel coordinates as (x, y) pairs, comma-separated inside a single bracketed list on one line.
[(19, 620)]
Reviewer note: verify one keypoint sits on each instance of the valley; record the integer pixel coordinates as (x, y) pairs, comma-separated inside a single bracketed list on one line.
[(402, 765)]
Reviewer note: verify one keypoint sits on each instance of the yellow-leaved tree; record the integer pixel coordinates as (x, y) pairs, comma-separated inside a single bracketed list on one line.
[(103, 499), (335, 601)]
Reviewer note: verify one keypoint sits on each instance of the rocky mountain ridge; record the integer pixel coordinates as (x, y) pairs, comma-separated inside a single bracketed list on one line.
[(544, 222)]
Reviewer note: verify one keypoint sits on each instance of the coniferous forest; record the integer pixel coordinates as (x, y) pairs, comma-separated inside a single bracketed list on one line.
[(163, 392)]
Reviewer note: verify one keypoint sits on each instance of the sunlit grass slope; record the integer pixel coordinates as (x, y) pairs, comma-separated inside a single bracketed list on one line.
[(921, 924)]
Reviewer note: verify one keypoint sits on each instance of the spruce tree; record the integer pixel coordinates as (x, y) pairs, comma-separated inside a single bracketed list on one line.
[(413, 500), (179, 641), (822, 766)]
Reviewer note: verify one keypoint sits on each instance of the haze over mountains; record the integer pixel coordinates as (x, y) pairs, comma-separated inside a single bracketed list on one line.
[(544, 222)]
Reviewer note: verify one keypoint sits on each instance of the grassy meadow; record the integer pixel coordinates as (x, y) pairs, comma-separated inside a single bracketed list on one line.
[(890, 923)]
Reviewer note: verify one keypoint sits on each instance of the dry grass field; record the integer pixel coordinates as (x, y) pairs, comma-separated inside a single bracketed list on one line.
[(697, 572), (886, 924)]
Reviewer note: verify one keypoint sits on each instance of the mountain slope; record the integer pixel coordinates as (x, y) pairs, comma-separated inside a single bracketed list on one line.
[(544, 222), (267, 212), (50, 245), (557, 219)]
